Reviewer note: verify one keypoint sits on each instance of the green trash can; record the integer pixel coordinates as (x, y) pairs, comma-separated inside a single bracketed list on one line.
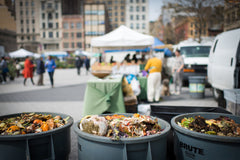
[(52, 144), (152, 147), (197, 86), (189, 145)]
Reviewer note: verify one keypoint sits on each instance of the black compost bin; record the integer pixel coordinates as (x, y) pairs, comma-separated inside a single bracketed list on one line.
[(151, 147), (190, 145), (168, 112), (197, 86), (50, 145)]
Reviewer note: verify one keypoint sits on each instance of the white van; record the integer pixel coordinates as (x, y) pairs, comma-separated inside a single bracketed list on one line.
[(224, 63)]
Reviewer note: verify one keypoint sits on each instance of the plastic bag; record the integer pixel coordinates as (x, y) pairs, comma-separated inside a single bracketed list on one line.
[(135, 86)]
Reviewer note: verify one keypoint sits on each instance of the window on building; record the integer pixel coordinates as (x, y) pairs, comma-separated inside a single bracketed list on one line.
[(131, 8), (191, 32), (137, 8), (116, 19), (72, 45), (57, 34), (72, 35), (79, 34), (50, 34), (49, 5), (22, 38), (32, 3), (56, 15), (21, 21), (50, 25), (65, 45), (122, 7), (116, 13), (65, 35), (79, 25), (79, 44), (143, 8), (27, 30), (110, 14), (56, 25), (116, 7), (116, 1), (33, 21), (33, 12), (233, 16), (20, 3), (22, 30), (28, 37), (137, 17), (137, 1), (26, 12), (27, 21), (56, 6), (33, 30), (21, 12), (122, 1), (131, 26), (72, 25), (65, 25), (43, 5), (50, 16), (131, 17), (192, 24), (122, 19), (143, 26), (43, 16), (26, 3), (44, 35), (143, 1), (131, 1), (143, 17), (34, 38), (137, 26), (122, 13), (110, 2), (116, 25), (43, 25)]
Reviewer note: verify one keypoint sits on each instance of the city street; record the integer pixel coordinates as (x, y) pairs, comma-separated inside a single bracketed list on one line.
[(67, 97)]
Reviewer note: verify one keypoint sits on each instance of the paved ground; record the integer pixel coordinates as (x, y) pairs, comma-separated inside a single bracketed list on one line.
[(67, 97)]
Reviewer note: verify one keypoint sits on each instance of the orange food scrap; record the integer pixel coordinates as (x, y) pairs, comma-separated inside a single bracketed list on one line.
[(44, 127)]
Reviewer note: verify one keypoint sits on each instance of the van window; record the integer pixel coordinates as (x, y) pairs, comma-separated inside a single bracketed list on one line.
[(215, 45), (195, 51)]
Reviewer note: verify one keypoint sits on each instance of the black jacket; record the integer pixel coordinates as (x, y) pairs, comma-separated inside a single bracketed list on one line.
[(40, 67)]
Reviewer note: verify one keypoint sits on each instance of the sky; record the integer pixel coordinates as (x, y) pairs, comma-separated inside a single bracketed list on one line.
[(155, 9)]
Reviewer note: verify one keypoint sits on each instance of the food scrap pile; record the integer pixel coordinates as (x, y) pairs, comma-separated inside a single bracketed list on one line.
[(119, 126), (30, 123), (222, 126)]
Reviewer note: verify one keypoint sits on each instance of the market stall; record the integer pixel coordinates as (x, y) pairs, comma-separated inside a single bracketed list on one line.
[(21, 53)]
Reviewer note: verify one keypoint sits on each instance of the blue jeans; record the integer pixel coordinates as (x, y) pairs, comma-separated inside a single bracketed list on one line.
[(51, 77)]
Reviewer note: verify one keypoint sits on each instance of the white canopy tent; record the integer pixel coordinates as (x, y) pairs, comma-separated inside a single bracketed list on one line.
[(122, 37), (21, 53), (83, 53)]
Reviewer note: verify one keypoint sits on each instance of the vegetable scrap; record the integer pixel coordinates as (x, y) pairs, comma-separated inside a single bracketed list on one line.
[(221, 126), (30, 123), (119, 126)]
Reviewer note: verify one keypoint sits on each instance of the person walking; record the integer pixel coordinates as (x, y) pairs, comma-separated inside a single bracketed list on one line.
[(87, 64), (28, 71), (178, 72), (154, 65), (18, 68), (50, 65), (40, 71), (4, 68), (78, 64)]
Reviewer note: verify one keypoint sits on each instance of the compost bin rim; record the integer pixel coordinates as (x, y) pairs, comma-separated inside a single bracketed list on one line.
[(103, 139), (203, 135), (36, 135)]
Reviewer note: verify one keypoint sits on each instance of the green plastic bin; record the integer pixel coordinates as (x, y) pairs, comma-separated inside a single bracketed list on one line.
[(50, 145), (91, 147), (197, 86), (189, 145)]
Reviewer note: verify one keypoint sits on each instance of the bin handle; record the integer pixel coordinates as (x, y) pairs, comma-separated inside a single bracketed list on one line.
[(125, 152), (27, 151), (52, 148), (149, 153)]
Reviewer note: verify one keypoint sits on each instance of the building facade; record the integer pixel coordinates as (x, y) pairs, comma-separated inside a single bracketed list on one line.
[(137, 16), (7, 26), (27, 22), (72, 33), (50, 23), (231, 15), (95, 22)]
